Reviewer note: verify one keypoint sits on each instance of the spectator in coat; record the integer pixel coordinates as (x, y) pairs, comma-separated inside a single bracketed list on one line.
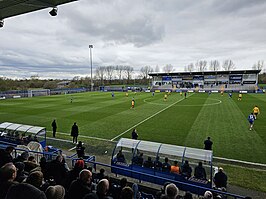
[(200, 172), (54, 127), (5, 155), (75, 132), (220, 179)]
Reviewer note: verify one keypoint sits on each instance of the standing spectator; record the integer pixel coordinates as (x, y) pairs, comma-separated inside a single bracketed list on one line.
[(54, 126), (82, 186), (5, 155), (208, 144), (134, 134), (75, 132), (80, 150), (200, 172), (220, 179)]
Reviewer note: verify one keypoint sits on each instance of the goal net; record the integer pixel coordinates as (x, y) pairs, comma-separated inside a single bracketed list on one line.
[(38, 92)]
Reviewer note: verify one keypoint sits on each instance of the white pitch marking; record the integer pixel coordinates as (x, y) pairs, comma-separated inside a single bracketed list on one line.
[(149, 118)]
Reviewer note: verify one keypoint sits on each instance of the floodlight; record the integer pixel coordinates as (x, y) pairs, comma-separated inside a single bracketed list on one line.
[(53, 12), (1, 23)]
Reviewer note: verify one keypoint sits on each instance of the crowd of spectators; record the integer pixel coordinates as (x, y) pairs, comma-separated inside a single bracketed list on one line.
[(24, 178)]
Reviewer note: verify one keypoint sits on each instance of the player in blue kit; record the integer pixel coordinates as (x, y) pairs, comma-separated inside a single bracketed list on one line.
[(251, 119)]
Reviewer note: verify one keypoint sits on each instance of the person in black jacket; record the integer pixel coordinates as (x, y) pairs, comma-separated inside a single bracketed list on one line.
[(54, 126), (80, 150), (220, 179), (75, 132), (208, 144), (200, 172)]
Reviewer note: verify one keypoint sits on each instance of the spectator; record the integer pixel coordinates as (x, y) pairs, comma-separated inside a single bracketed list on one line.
[(43, 165), (24, 191), (21, 174), (82, 186), (208, 144), (137, 194), (220, 179), (101, 175), (120, 157), (56, 169), (102, 189), (75, 132), (171, 191), (54, 126), (134, 134), (80, 150), (148, 163), (158, 164), (74, 173), (127, 193), (116, 189), (55, 192), (8, 174), (208, 195), (35, 178), (186, 169), (22, 157), (5, 155), (166, 167), (188, 195), (200, 172), (175, 168), (30, 164), (162, 191)]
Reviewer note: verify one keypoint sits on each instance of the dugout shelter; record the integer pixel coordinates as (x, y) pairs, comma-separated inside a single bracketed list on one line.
[(19, 134), (126, 151)]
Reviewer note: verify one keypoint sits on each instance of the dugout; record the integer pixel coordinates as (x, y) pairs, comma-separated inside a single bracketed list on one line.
[(20, 134), (126, 151)]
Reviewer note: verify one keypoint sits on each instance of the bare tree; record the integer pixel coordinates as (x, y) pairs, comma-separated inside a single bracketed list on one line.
[(100, 72), (228, 65), (145, 70), (189, 67), (259, 65), (157, 69), (110, 71), (119, 71), (128, 72), (168, 68), (201, 65), (214, 65)]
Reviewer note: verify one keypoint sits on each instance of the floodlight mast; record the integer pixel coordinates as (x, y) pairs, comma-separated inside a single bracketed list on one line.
[(90, 47)]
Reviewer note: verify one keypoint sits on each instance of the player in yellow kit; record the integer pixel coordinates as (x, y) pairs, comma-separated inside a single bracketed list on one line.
[(256, 111), (239, 97), (165, 97)]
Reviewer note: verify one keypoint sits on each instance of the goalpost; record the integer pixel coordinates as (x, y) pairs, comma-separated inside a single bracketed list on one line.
[(38, 92)]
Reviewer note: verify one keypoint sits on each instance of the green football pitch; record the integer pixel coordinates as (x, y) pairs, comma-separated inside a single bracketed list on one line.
[(177, 121)]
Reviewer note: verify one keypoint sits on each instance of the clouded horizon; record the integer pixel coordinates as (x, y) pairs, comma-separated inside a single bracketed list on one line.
[(136, 33)]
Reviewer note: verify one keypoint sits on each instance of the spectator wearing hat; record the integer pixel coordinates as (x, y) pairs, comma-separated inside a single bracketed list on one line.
[(24, 191), (21, 174), (220, 179), (55, 192)]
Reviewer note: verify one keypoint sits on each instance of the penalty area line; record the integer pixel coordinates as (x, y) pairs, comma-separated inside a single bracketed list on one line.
[(149, 118)]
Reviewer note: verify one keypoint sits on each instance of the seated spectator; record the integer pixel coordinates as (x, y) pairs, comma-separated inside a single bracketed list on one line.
[(188, 195), (74, 173), (116, 189), (137, 194), (21, 174), (30, 164), (55, 192), (138, 159), (127, 193), (175, 168), (171, 191), (148, 163), (24, 190), (220, 179), (120, 157), (35, 178), (166, 167), (22, 157), (160, 193), (80, 150), (102, 189), (82, 186), (157, 164), (101, 175), (186, 169), (200, 172), (208, 195), (8, 174)]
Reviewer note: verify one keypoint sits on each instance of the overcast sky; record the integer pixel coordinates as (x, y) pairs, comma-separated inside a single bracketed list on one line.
[(135, 33)]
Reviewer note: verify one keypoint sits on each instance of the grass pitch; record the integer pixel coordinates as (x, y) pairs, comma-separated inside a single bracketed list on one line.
[(178, 121)]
